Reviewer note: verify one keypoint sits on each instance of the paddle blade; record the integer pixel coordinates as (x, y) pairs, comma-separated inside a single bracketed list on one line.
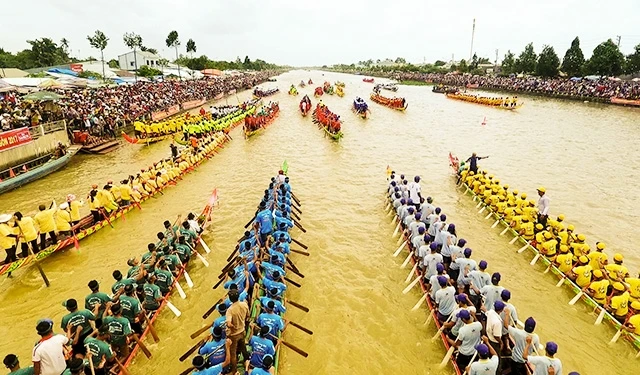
[(413, 270), (479, 204), (204, 245), (616, 337), (482, 210), (410, 286), (429, 319), (504, 231), (488, 216), (204, 261), (523, 248), (420, 302), (397, 252), (495, 224), (406, 261), (535, 259), (447, 357), (75, 241), (188, 279), (174, 309), (513, 240), (437, 335), (395, 232), (600, 316), (560, 282), (181, 292), (576, 298)]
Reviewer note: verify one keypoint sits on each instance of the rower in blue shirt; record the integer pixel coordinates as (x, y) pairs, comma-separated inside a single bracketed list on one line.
[(283, 244), (241, 279), (274, 321), (221, 321), (267, 363), (260, 345), (284, 220), (200, 363), (278, 286), (277, 258), (272, 271), (279, 307), (215, 348), (242, 296), (282, 231), (264, 218)]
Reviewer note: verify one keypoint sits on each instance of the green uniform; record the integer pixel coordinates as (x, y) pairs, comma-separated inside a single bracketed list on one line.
[(164, 279), (189, 235), (146, 256), (78, 318), (151, 294), (118, 285), (130, 307), (93, 299), (98, 349), (119, 328), (173, 261), (184, 252), (134, 272), (23, 371)]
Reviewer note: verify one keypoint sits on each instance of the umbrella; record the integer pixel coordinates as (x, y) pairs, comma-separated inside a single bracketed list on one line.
[(42, 96), (576, 79), (49, 84)]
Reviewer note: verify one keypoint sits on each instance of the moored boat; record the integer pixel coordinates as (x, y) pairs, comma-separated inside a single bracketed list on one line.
[(253, 124), (260, 93), (145, 141), (505, 103), (23, 174), (387, 86), (368, 80), (549, 263), (328, 121), (305, 106), (442, 89), (360, 107), (399, 104)]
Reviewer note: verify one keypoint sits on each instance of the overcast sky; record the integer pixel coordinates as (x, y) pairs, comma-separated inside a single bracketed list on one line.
[(304, 33)]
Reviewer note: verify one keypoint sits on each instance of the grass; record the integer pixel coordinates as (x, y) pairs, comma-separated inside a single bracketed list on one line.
[(414, 83)]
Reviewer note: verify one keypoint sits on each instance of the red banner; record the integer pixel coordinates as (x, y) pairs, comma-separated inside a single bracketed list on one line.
[(14, 138), (193, 104), (76, 67), (161, 115)]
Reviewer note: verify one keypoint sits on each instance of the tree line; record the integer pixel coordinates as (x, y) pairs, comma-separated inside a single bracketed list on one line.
[(46, 52)]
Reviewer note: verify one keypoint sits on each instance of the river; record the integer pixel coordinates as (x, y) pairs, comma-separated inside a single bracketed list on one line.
[(582, 153)]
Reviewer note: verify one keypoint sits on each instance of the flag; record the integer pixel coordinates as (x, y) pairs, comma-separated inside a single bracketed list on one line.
[(285, 167), (11, 174), (388, 171), (75, 243)]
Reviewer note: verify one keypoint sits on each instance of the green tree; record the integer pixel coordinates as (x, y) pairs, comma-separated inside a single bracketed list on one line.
[(173, 42), (508, 63), (473, 64), (134, 41), (548, 62), (148, 72), (463, 67), (400, 60), (606, 60), (526, 62), (573, 61), (440, 63), (89, 74), (633, 61), (45, 52), (113, 64), (191, 47), (99, 41), (64, 43), (484, 60)]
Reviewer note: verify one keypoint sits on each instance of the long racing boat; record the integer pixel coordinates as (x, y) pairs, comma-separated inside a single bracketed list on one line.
[(604, 315)]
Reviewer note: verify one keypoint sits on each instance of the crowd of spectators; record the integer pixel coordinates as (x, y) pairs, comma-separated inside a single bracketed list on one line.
[(102, 110), (578, 88)]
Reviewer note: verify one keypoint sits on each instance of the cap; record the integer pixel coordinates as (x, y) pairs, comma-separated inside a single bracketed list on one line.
[(551, 347), (564, 249), (198, 362), (539, 227), (217, 332), (10, 361), (581, 237), (548, 235), (131, 261), (462, 297), (635, 305), (505, 294), (418, 215), (267, 361), (523, 195), (264, 330), (542, 189), (601, 245), (483, 264), (93, 284), (429, 200), (467, 252), (618, 286), (598, 274), (462, 242), (44, 326), (496, 276), (483, 350), (442, 280), (420, 229), (222, 308), (561, 217), (571, 227), (76, 365), (529, 324), (499, 305), (464, 314), (583, 259), (439, 267), (433, 246), (618, 257), (443, 217)]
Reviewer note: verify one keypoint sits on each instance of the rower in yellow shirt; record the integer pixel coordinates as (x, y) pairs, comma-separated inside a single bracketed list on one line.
[(566, 236), (617, 271), (564, 261), (598, 287), (549, 245), (634, 287), (516, 221), (63, 219), (633, 323), (522, 201), (582, 273), (27, 230), (530, 210), (106, 199), (579, 248), (619, 304), (125, 193), (8, 237), (46, 224), (555, 224), (74, 208), (598, 259), (138, 129), (527, 229), (512, 197)]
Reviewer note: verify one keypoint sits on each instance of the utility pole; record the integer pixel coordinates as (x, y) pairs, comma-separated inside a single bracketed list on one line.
[(473, 33), (495, 65), (618, 37)]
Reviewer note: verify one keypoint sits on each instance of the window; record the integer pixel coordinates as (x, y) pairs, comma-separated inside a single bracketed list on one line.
[(147, 62), (131, 64)]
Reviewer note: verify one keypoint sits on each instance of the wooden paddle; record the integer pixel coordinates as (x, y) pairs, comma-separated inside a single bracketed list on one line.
[(37, 262), (297, 271), (143, 347), (193, 349), (122, 368), (294, 271), (300, 252), (152, 330), (89, 355), (300, 244), (292, 347), (303, 308), (299, 226), (292, 282), (201, 330), (297, 209), (303, 329), (211, 310)]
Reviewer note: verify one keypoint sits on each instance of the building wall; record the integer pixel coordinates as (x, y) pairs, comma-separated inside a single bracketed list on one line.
[(39, 147)]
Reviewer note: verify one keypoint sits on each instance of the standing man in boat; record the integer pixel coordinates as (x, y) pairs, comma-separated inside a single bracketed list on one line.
[(415, 192), (543, 206), (46, 224), (8, 239), (236, 315), (473, 160)]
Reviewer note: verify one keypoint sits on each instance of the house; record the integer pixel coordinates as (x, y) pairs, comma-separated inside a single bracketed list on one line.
[(129, 60)]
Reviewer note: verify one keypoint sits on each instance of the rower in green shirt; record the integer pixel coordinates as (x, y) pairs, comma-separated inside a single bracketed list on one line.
[(76, 367), (183, 249), (187, 232), (131, 308), (152, 294), (120, 282), (100, 352), (12, 363), (173, 260), (147, 257), (80, 322), (96, 299), (164, 278), (120, 329)]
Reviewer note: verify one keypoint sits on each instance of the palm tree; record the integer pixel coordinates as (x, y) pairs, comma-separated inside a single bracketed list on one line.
[(133, 40), (64, 43), (191, 47), (173, 42), (99, 41)]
